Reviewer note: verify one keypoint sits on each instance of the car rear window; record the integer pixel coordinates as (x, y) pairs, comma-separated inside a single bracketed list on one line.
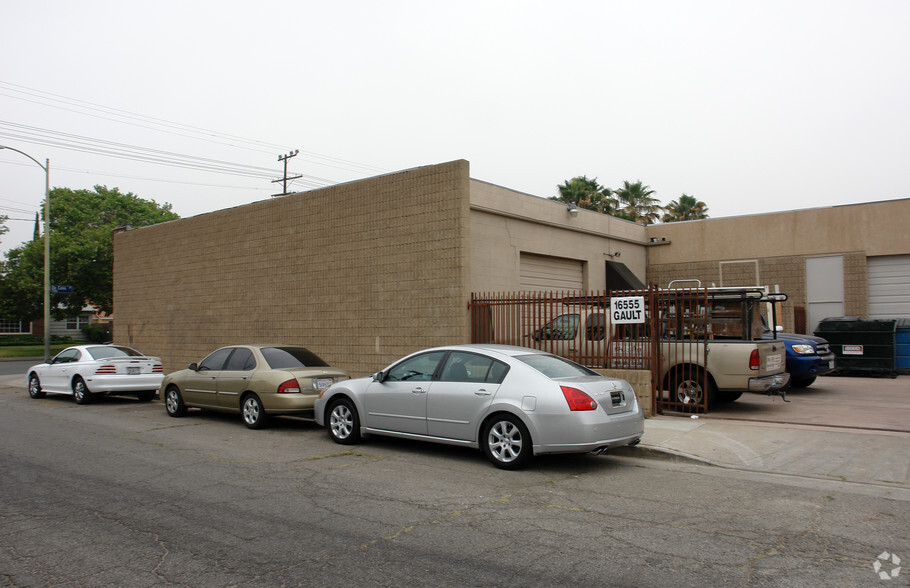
[(105, 351), (281, 358), (555, 367)]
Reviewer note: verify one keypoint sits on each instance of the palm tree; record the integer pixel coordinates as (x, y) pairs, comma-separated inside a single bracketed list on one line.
[(636, 203), (586, 193), (687, 208)]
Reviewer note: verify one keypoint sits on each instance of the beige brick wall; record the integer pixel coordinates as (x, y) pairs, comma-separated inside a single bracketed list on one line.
[(505, 224), (361, 273), (787, 273)]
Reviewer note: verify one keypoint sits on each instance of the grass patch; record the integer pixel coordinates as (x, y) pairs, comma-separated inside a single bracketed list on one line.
[(20, 351)]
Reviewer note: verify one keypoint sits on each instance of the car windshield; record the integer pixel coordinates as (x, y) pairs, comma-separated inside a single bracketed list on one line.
[(107, 351), (281, 358), (555, 367)]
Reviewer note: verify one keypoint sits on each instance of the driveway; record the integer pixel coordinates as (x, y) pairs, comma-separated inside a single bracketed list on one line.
[(874, 403)]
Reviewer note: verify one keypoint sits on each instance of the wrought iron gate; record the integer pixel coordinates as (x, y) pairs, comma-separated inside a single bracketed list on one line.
[(584, 327)]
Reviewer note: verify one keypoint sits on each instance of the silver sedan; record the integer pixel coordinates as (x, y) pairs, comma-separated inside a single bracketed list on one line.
[(511, 402)]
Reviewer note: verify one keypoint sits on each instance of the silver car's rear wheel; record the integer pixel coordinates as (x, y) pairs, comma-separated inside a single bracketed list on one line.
[(343, 422), (254, 415), (34, 387), (80, 391), (506, 442)]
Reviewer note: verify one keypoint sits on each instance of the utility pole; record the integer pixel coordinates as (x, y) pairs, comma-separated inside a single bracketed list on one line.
[(285, 179), (47, 248)]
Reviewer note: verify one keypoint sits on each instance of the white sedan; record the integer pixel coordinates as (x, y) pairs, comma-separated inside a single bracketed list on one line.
[(511, 402), (84, 371)]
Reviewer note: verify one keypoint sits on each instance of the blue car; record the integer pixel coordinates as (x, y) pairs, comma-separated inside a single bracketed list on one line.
[(807, 357)]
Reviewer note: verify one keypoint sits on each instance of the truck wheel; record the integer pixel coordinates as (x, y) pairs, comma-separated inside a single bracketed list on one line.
[(692, 387), (728, 396), (804, 383)]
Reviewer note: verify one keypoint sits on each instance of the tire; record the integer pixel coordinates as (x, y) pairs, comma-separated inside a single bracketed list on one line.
[(173, 402), (690, 386), (81, 393), (804, 383), (506, 442), (342, 422), (146, 395), (252, 412), (34, 387), (728, 396)]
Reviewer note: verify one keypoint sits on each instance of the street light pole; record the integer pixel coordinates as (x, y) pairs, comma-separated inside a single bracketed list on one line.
[(47, 249)]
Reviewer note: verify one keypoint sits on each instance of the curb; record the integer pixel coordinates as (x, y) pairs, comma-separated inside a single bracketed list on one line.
[(654, 452)]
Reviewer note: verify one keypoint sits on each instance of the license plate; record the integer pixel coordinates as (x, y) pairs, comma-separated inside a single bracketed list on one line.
[(831, 364), (132, 371), (773, 362), (322, 383)]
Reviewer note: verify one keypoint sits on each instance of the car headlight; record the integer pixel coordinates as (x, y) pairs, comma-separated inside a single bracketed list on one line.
[(804, 349)]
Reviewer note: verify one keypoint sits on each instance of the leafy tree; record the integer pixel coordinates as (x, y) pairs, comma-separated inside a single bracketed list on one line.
[(686, 208), (637, 204), (3, 227), (22, 282), (82, 254), (586, 193)]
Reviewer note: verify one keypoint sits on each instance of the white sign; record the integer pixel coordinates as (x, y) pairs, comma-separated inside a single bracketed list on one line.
[(627, 310), (853, 349)]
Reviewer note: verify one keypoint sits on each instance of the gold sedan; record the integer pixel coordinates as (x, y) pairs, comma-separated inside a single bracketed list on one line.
[(256, 381)]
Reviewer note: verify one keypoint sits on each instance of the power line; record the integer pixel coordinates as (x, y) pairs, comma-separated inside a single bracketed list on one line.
[(104, 147), (201, 134)]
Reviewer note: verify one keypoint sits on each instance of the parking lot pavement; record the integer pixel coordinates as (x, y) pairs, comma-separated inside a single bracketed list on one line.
[(847, 428), (843, 428), (873, 403)]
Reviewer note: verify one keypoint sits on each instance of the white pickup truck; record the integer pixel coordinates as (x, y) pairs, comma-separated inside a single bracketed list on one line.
[(709, 352)]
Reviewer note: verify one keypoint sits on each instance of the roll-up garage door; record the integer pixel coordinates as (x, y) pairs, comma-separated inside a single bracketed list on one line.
[(544, 273), (889, 286)]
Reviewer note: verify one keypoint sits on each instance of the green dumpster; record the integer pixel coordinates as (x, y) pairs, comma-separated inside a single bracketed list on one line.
[(861, 345)]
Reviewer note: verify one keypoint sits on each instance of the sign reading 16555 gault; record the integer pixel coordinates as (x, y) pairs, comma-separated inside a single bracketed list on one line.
[(627, 309)]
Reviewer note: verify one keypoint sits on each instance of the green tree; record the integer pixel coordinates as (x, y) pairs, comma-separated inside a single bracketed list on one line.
[(3, 227), (585, 193), (686, 208), (82, 254), (636, 203)]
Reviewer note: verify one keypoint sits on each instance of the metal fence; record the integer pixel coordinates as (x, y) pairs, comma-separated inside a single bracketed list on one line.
[(621, 329)]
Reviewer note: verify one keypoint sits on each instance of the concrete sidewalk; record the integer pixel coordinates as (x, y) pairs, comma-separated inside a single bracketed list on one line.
[(850, 455), (854, 429)]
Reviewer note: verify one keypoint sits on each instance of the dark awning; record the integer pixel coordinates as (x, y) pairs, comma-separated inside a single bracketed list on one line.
[(619, 277)]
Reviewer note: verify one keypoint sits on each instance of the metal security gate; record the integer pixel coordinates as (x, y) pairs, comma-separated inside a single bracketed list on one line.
[(587, 328), (685, 325)]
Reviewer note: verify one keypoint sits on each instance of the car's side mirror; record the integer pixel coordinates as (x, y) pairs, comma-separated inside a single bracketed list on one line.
[(379, 377), (779, 328), (193, 367)]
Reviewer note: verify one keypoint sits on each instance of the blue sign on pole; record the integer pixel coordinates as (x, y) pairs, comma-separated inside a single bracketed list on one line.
[(61, 289)]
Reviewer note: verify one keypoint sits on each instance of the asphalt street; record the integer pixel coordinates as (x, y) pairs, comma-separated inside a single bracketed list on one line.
[(118, 493)]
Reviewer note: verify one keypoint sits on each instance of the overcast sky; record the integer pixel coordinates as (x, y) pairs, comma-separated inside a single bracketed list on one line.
[(751, 107)]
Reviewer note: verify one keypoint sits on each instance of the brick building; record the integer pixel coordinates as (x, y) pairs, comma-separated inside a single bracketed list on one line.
[(367, 271)]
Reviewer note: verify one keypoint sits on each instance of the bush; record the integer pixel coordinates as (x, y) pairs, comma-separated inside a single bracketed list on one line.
[(96, 333)]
